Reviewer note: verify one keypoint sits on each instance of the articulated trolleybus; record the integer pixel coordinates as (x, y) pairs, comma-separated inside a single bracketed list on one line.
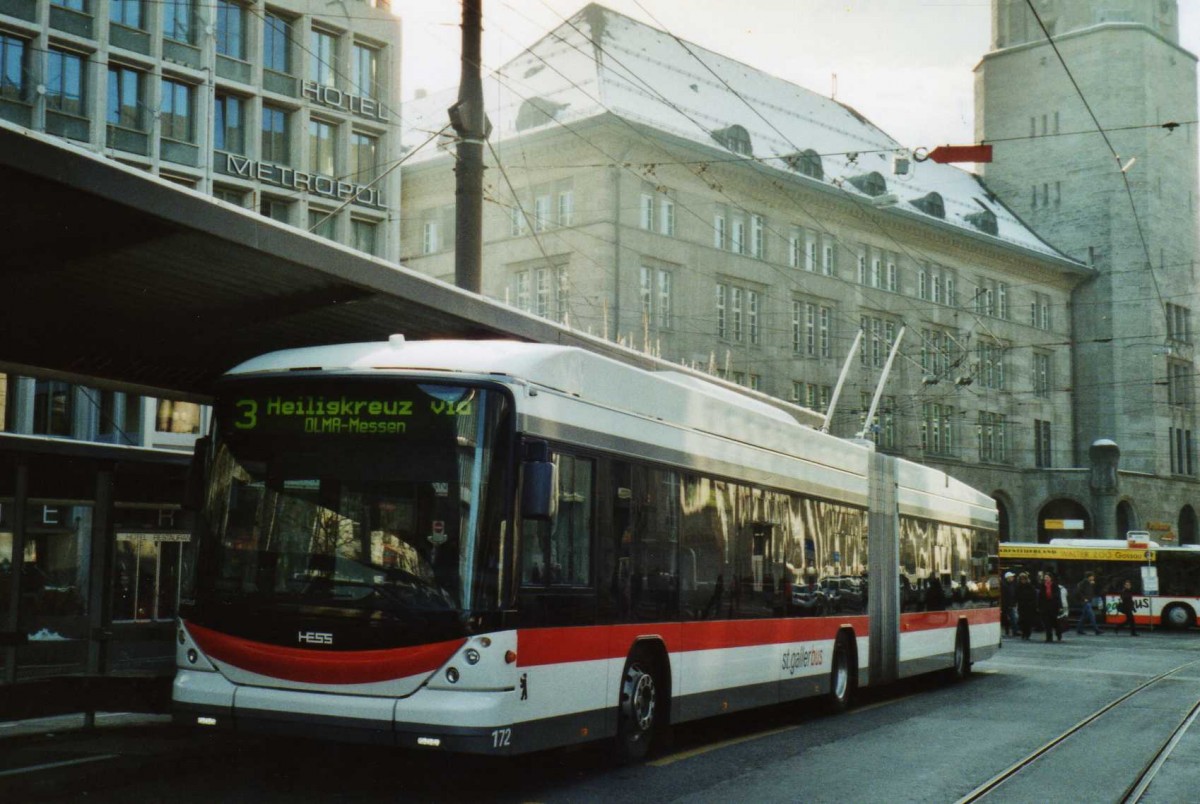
[(498, 547)]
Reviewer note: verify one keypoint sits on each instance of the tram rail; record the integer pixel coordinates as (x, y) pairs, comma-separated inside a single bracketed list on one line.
[(1141, 783)]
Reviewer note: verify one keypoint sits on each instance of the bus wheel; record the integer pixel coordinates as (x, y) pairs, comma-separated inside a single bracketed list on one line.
[(962, 655), (638, 712), (1178, 617), (841, 681)]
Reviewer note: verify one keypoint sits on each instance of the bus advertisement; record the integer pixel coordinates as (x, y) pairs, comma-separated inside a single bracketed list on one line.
[(1165, 580), (499, 547)]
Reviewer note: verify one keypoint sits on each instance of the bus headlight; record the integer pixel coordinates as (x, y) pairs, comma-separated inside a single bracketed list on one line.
[(452, 675), (472, 656)]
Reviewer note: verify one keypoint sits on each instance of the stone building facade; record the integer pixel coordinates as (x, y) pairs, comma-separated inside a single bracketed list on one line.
[(743, 225), (1125, 202)]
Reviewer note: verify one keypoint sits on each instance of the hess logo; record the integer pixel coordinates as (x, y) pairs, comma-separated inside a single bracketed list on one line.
[(314, 638)]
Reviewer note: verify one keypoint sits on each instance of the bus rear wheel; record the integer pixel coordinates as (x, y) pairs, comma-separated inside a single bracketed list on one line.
[(1178, 617), (841, 680), (639, 709)]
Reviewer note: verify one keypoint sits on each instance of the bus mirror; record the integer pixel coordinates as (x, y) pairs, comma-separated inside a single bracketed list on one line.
[(193, 491), (539, 483)]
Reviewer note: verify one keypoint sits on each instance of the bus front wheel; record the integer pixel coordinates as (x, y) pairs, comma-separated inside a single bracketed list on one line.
[(639, 709), (962, 655)]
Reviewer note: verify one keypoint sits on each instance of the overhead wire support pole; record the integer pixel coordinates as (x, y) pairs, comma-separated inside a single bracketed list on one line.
[(472, 127), (887, 368)]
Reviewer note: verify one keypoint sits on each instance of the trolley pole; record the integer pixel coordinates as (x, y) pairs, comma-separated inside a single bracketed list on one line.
[(472, 127)]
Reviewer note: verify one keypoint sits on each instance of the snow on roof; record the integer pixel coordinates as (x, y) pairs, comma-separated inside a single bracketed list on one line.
[(601, 62)]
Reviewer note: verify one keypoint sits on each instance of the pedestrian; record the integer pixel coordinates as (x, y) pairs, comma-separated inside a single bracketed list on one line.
[(1008, 604), (1086, 592), (1126, 608), (1026, 605), (1049, 607)]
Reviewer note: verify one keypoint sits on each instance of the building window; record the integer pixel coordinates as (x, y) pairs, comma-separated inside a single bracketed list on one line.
[(364, 233), (795, 248), (664, 305), (1041, 375), (53, 408), (993, 437), (737, 243), (828, 259), (862, 269), (1179, 383), (177, 417), (277, 43), (322, 223), (752, 329), (516, 225), (1179, 323), (1042, 452), (882, 428), (431, 241), (878, 338), (364, 70), (810, 251), (364, 154), (176, 107), (566, 208), (230, 195), (125, 12), (276, 209), (722, 311), (1039, 311), (228, 133), (64, 83), (758, 237), (276, 134), (231, 29), (719, 234), (14, 67), (938, 436), (990, 358), (646, 209), (322, 57), (666, 215), (893, 276), (75, 5), (321, 147), (541, 213), (125, 97), (179, 21), (735, 313), (1181, 450)]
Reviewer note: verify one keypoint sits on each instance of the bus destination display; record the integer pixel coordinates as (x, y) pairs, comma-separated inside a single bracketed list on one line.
[(353, 414)]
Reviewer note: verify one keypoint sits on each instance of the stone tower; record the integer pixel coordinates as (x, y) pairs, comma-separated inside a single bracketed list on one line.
[(1127, 205)]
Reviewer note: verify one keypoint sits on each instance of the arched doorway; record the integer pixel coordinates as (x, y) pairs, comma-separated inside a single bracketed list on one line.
[(1066, 514), (1126, 518), (1003, 521), (1187, 525)]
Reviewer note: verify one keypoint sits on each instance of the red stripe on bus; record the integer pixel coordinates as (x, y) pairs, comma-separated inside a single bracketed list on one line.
[(322, 666), (933, 620), (543, 646)]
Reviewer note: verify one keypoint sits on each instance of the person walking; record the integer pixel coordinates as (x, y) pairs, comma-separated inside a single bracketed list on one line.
[(1027, 605), (1008, 604), (1126, 608), (1086, 592), (1049, 607)]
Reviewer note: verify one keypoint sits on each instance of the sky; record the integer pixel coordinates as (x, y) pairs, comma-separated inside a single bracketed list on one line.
[(906, 65)]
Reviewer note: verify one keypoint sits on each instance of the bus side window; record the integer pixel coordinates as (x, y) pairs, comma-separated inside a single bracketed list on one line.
[(558, 552)]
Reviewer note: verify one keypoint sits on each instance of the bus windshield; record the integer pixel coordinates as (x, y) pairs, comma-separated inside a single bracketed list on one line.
[(336, 497)]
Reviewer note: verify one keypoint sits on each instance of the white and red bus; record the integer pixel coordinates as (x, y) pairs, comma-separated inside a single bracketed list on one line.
[(1165, 580), (500, 547)]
